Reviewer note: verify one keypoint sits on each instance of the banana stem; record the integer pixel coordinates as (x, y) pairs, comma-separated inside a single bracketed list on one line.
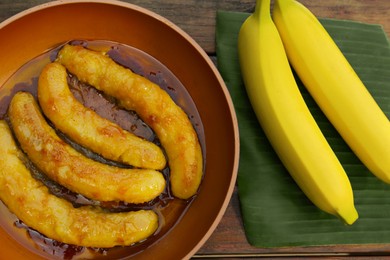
[(262, 9), (283, 2)]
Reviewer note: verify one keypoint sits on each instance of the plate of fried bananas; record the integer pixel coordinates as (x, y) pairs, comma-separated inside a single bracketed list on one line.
[(118, 137)]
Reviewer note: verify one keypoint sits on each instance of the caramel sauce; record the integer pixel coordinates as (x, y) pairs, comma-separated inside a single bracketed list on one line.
[(169, 208)]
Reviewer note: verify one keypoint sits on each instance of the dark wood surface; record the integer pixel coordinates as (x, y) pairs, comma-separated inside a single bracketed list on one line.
[(197, 18)]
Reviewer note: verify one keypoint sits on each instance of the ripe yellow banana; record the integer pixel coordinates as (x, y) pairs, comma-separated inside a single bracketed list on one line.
[(286, 120), (335, 86)]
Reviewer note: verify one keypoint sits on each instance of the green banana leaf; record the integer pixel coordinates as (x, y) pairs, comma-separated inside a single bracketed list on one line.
[(275, 211)]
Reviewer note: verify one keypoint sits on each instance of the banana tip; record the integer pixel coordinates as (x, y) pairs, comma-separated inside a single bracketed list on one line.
[(348, 216)]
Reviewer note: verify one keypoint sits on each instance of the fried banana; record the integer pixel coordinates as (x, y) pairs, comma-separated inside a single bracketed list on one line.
[(62, 163), (89, 129), (154, 106), (56, 218)]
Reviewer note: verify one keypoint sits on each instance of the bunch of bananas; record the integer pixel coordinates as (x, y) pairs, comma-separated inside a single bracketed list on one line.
[(266, 46)]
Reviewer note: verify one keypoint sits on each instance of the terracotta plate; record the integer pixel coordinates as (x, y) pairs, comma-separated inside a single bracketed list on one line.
[(36, 30)]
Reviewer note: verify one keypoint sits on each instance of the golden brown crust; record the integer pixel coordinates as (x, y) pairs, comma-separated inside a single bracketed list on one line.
[(152, 104), (56, 218), (87, 128), (71, 169)]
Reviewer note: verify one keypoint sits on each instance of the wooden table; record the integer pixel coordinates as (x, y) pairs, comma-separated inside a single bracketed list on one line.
[(197, 18)]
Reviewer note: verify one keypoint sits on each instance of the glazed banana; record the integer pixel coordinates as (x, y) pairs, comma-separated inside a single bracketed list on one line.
[(87, 128), (154, 106), (63, 164), (286, 120), (56, 218), (335, 86)]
